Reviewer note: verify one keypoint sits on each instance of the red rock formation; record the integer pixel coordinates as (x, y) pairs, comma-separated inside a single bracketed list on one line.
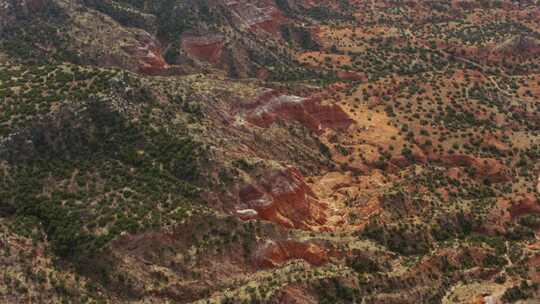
[(206, 48), (263, 16), (310, 112), (283, 197), (273, 25), (147, 55), (274, 254)]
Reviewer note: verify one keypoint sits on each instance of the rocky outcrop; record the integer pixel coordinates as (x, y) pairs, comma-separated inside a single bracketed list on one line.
[(147, 55), (283, 197), (310, 112), (114, 45), (207, 48), (263, 16), (276, 253)]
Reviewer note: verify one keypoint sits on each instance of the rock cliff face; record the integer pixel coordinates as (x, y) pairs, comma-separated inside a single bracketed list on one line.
[(263, 15), (208, 48), (283, 197), (147, 55), (140, 52), (244, 41), (310, 112)]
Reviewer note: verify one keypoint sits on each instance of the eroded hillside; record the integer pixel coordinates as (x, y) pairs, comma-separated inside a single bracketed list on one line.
[(286, 151)]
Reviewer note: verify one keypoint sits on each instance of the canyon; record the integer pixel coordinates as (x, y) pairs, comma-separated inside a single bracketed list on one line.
[(287, 151)]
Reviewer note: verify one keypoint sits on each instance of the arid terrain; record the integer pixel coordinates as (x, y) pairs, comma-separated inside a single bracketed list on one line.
[(270, 151)]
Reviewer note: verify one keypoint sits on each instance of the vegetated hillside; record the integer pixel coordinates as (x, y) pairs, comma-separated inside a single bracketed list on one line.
[(269, 151), (244, 39)]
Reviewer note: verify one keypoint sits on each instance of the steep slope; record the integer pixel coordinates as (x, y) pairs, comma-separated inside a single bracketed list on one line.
[(285, 151), (158, 38)]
